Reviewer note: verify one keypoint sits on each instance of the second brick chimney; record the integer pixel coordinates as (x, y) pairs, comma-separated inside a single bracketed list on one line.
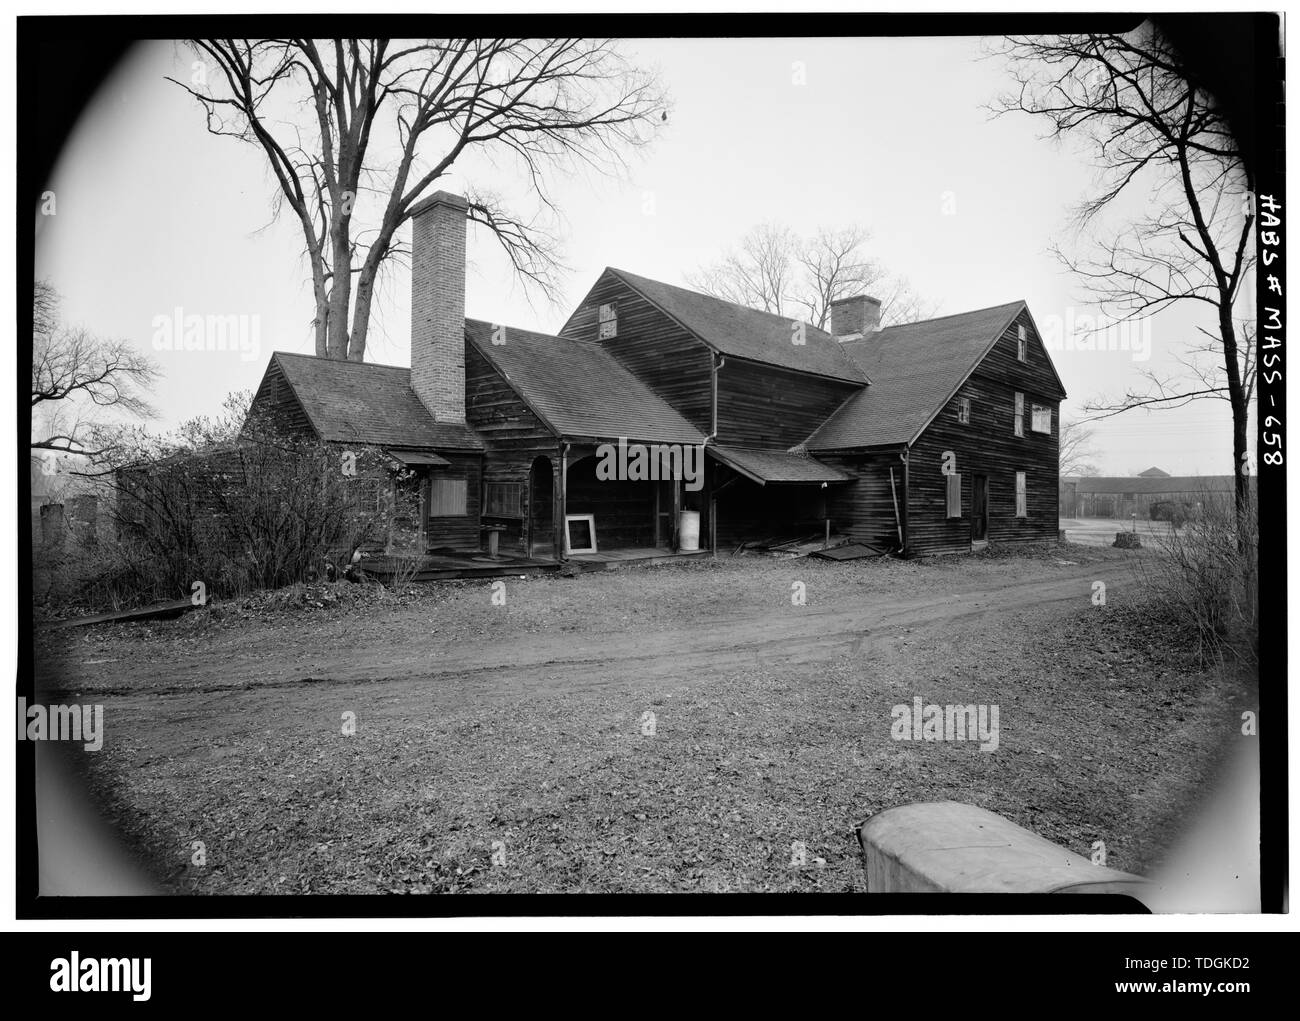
[(855, 316), (438, 305)]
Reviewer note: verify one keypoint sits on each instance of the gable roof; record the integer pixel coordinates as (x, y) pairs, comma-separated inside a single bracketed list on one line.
[(742, 332), (915, 368), (764, 466), (579, 389), (1154, 473), (360, 402)]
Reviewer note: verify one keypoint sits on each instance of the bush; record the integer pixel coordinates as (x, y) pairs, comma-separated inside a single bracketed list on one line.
[(1207, 579), (236, 510)]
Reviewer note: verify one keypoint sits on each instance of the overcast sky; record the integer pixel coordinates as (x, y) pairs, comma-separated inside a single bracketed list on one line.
[(153, 213)]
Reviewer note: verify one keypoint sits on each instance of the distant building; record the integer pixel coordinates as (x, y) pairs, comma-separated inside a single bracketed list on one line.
[(1153, 494)]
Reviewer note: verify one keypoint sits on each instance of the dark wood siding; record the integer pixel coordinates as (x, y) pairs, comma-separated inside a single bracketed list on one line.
[(988, 445), (514, 438), (864, 510), (668, 359), (763, 406), (462, 531), (276, 401)]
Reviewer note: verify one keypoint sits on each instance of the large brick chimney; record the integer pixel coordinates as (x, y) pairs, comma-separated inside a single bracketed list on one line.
[(853, 317), (438, 305)]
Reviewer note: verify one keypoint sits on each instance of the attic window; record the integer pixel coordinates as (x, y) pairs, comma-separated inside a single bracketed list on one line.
[(1041, 420), (963, 410), (1022, 344), (608, 321)]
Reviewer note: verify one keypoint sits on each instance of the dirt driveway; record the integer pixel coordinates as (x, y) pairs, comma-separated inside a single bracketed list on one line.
[(486, 650), (501, 744)]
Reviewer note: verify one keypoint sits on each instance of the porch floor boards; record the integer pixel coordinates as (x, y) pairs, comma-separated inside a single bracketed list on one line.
[(475, 563)]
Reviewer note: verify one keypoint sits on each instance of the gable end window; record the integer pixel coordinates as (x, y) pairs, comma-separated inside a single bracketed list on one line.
[(1022, 509), (963, 410), (1020, 414), (1041, 419), (1022, 344), (608, 321), (954, 495)]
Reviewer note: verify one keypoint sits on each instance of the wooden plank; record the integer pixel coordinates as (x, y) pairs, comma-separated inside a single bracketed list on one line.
[(159, 611)]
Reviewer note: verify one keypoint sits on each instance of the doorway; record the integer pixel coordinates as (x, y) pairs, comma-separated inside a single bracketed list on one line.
[(979, 510), (541, 508)]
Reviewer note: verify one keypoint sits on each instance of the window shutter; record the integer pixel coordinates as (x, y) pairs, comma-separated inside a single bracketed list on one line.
[(1020, 414), (447, 498), (954, 495), (1022, 511)]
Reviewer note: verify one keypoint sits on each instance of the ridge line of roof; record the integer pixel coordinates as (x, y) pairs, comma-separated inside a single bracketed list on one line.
[(937, 319), (341, 361), (713, 297), (852, 362)]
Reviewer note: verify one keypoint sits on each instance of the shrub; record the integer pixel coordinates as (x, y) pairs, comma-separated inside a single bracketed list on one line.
[(1207, 578), (238, 510)]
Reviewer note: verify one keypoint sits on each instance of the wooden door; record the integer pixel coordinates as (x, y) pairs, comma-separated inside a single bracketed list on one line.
[(979, 511)]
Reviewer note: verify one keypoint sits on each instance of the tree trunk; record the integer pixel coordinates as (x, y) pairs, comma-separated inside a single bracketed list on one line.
[(320, 324), (340, 289), (1240, 416), (361, 316)]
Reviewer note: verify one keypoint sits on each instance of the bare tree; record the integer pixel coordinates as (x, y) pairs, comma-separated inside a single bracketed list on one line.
[(1157, 137), (75, 375), (775, 270), (384, 120), (1076, 449)]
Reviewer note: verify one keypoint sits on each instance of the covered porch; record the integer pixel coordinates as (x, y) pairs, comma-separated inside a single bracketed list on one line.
[(761, 497)]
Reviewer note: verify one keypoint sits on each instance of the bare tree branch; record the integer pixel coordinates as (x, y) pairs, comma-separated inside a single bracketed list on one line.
[(386, 120)]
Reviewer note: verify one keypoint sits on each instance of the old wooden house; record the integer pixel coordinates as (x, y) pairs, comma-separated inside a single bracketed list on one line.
[(933, 437)]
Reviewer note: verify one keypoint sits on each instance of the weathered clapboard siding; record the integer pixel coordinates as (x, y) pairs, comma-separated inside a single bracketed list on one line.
[(988, 445), (765, 406), (514, 437), (671, 361), (460, 531), (864, 510), (276, 402)]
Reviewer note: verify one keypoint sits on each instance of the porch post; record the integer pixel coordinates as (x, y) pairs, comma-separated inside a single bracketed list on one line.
[(561, 502), (677, 513)]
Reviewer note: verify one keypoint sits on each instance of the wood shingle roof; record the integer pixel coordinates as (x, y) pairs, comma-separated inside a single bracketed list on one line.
[(364, 403), (746, 332), (915, 368), (578, 388)]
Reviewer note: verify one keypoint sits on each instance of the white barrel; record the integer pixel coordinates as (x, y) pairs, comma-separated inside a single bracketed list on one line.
[(688, 531)]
